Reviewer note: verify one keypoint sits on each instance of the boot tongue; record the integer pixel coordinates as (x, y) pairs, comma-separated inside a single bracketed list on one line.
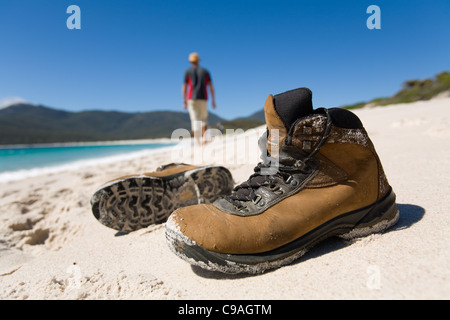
[(281, 111)]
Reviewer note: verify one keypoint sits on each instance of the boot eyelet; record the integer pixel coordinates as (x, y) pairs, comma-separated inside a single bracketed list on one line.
[(261, 203), (294, 182), (243, 209), (278, 191), (257, 199), (300, 164)]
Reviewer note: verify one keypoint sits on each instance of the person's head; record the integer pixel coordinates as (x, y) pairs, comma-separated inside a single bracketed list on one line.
[(194, 58)]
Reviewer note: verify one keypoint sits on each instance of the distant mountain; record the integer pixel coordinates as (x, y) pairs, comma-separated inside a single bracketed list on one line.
[(254, 120), (28, 124), (257, 116)]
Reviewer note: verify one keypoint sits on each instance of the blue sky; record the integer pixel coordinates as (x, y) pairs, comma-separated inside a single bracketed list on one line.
[(131, 55)]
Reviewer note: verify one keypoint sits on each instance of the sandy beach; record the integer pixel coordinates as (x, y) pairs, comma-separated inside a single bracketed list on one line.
[(52, 247)]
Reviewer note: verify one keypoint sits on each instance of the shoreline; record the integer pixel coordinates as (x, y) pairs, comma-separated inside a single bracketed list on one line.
[(87, 143), (15, 175), (222, 149)]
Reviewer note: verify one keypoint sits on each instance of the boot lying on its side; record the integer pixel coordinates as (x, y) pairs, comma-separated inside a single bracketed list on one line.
[(133, 202)]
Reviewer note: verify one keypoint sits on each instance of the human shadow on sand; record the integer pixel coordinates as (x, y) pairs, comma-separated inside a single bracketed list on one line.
[(409, 214)]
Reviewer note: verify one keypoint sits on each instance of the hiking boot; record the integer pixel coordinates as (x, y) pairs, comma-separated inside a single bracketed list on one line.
[(328, 182), (137, 201)]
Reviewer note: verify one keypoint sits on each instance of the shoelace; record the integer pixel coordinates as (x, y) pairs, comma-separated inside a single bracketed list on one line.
[(246, 190)]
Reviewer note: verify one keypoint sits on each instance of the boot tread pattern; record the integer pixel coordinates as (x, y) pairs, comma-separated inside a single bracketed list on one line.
[(137, 202)]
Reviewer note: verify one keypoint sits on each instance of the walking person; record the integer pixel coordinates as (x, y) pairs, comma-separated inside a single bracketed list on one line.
[(195, 96)]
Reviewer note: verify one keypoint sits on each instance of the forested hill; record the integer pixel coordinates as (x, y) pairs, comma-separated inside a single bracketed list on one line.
[(28, 124)]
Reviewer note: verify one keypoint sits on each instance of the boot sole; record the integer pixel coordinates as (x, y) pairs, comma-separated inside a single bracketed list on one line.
[(375, 218), (137, 202)]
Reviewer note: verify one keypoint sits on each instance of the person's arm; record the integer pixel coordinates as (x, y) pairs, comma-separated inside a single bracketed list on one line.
[(183, 92), (213, 98)]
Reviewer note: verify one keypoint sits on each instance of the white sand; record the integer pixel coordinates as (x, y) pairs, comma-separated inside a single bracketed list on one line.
[(51, 246)]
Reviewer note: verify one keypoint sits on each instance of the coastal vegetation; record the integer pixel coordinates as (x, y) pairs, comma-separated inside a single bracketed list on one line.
[(412, 90)]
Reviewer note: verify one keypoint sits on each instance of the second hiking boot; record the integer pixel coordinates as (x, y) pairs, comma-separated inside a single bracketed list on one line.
[(133, 202), (329, 182)]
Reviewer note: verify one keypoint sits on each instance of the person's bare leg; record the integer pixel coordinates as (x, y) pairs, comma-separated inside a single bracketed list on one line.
[(197, 137), (204, 128)]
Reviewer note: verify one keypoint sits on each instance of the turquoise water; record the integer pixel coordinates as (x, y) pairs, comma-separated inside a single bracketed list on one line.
[(26, 158)]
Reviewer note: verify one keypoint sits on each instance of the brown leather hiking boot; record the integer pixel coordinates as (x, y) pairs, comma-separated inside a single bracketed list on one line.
[(137, 201), (329, 182)]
